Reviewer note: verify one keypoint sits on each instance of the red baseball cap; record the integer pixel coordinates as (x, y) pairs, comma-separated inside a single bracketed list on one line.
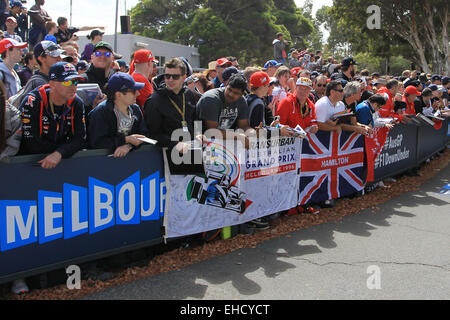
[(412, 90), (295, 71), (7, 43), (143, 56), (259, 79), (223, 62)]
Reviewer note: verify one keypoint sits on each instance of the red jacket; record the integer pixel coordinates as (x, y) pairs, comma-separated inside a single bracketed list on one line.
[(409, 106), (388, 109), (290, 112)]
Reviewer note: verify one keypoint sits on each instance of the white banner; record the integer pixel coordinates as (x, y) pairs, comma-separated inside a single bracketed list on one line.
[(234, 191)]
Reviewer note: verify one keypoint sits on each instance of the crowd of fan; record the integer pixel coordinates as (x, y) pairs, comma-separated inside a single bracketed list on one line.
[(40, 112)]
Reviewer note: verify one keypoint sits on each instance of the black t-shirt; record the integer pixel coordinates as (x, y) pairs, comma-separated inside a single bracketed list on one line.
[(212, 107), (62, 36)]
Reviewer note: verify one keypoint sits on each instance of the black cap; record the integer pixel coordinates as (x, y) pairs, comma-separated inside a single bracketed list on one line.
[(94, 33), (349, 62), (228, 72)]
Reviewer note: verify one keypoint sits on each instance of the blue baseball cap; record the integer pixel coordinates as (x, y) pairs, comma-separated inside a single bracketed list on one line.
[(272, 63), (63, 71), (435, 77), (121, 81), (16, 4)]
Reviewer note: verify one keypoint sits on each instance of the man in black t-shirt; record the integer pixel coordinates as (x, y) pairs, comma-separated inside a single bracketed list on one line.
[(225, 108)]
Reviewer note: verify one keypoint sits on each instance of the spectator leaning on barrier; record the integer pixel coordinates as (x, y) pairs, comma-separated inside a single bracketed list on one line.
[(53, 117), (38, 18), (297, 109), (225, 108), (46, 54), (410, 94), (258, 110), (367, 111), (171, 106), (352, 94), (141, 69), (117, 123), (11, 54), (423, 104), (389, 91), (329, 105)]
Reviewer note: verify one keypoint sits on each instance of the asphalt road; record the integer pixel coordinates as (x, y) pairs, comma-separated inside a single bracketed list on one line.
[(401, 251)]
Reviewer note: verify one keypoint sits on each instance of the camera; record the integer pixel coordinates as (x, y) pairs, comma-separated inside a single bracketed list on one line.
[(72, 30)]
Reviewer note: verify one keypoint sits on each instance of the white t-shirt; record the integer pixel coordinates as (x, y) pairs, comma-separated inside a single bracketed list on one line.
[(278, 94), (325, 109)]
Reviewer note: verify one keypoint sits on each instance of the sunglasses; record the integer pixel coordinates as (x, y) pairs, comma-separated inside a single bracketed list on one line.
[(167, 76), (107, 54), (321, 85), (70, 83)]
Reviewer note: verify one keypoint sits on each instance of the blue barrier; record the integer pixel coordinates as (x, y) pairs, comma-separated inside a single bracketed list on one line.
[(88, 207), (92, 206)]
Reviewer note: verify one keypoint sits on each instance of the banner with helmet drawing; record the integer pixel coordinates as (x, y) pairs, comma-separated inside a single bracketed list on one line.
[(236, 187)]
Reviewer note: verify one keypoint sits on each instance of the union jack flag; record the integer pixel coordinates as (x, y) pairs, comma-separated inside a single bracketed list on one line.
[(332, 166)]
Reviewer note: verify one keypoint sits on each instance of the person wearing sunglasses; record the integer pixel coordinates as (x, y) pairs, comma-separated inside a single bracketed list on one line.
[(171, 107), (101, 64), (319, 86), (117, 124), (95, 36), (330, 105), (53, 117)]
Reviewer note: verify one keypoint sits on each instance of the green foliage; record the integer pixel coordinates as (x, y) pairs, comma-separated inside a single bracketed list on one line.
[(368, 61), (242, 28)]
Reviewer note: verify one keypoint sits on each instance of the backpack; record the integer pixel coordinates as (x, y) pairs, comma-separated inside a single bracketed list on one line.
[(16, 100)]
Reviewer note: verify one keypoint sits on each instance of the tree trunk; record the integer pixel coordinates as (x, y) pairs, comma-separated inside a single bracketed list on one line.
[(445, 19)]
